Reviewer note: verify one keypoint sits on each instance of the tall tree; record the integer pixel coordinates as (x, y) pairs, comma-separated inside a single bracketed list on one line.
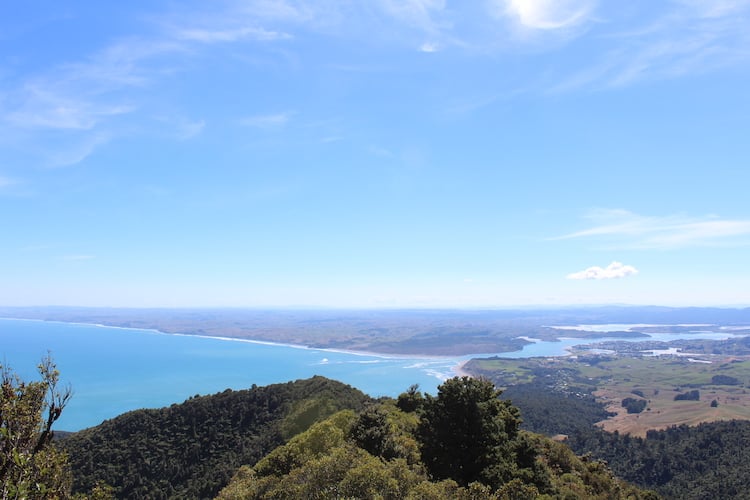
[(468, 433), (29, 466)]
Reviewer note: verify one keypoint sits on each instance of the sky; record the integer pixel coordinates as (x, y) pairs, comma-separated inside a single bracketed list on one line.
[(382, 153)]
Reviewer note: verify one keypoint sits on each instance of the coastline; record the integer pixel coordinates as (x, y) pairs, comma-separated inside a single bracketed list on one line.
[(460, 370), (417, 357), (116, 371)]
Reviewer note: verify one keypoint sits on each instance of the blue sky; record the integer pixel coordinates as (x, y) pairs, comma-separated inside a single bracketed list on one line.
[(414, 153)]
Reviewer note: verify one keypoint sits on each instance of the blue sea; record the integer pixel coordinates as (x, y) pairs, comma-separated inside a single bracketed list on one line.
[(115, 370)]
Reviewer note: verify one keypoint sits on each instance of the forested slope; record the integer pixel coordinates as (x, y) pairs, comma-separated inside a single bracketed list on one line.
[(191, 450), (711, 460), (462, 444), (418, 446)]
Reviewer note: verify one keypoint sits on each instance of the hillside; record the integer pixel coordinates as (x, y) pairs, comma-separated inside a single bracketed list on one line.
[(462, 444), (270, 439), (191, 450), (318, 438)]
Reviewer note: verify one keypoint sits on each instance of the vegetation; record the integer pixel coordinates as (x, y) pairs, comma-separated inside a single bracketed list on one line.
[(693, 395), (29, 466), (633, 405), (191, 450), (724, 380), (468, 433), (598, 384), (462, 444), (709, 460), (318, 438)]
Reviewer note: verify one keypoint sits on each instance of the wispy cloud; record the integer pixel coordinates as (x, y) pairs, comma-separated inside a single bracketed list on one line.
[(43, 106), (624, 229), (187, 129), (269, 121), (184, 128), (81, 95), (64, 113), (419, 13), (429, 47), (231, 34), (612, 271), (690, 37), (75, 151), (84, 98), (381, 152), (547, 14)]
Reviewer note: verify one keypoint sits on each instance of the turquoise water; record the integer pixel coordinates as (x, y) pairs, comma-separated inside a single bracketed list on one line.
[(114, 370)]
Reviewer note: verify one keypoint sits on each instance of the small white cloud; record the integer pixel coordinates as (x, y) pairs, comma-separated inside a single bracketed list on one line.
[(614, 270), (271, 121), (429, 47), (549, 14)]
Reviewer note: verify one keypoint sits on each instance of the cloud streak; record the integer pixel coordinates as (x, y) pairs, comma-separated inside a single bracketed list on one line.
[(98, 95), (548, 14), (690, 37), (613, 271), (71, 154), (84, 101), (624, 229), (231, 35)]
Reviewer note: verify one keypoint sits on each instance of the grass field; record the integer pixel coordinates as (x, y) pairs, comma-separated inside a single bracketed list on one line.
[(657, 380)]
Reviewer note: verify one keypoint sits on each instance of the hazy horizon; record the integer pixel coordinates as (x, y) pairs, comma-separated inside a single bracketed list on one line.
[(417, 154), (303, 308)]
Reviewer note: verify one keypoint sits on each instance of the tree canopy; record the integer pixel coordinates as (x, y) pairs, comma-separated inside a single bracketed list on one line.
[(29, 466), (467, 432), (191, 450)]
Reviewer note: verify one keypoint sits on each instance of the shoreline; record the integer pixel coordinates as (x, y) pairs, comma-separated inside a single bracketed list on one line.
[(280, 344), (416, 357), (460, 370)]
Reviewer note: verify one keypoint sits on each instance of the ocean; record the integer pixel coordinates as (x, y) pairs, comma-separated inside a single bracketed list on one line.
[(114, 370)]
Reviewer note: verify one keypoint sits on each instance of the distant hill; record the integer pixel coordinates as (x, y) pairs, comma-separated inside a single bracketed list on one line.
[(191, 450)]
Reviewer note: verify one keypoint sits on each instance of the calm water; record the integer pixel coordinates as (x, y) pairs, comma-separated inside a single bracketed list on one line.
[(114, 370)]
